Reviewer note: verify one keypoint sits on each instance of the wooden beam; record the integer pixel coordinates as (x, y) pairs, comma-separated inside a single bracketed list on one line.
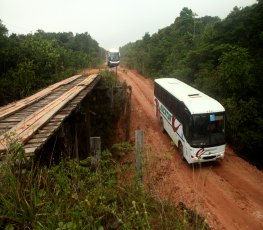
[(139, 155)]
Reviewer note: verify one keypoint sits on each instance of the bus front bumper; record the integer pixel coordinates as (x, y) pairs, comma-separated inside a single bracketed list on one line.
[(206, 158)]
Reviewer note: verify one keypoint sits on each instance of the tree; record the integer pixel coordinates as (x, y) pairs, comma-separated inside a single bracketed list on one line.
[(3, 47), (235, 68)]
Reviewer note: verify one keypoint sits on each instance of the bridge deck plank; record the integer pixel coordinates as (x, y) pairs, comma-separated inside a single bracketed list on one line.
[(37, 140), (13, 107)]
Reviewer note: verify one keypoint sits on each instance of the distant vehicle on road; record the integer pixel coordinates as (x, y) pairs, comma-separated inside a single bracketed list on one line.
[(194, 121), (113, 57)]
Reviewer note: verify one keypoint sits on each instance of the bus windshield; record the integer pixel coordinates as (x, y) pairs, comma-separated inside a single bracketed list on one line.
[(208, 130), (114, 56)]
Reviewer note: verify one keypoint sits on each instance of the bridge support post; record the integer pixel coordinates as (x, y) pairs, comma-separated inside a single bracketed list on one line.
[(76, 144), (82, 131), (95, 150)]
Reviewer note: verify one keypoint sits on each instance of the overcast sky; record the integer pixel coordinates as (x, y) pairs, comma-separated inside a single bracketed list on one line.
[(112, 23)]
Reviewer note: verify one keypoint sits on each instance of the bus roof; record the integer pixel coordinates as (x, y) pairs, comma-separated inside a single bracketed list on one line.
[(196, 101), (113, 50)]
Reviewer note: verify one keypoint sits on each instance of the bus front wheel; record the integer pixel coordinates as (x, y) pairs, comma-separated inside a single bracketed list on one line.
[(181, 150)]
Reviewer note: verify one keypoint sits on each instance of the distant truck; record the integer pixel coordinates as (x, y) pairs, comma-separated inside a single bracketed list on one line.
[(113, 57)]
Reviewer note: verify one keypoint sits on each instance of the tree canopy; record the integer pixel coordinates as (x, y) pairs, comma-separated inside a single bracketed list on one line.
[(33, 61)]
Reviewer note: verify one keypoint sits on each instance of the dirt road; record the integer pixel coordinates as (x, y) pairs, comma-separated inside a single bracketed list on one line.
[(229, 193)]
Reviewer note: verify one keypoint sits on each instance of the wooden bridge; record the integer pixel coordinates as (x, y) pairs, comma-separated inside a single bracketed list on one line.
[(32, 121)]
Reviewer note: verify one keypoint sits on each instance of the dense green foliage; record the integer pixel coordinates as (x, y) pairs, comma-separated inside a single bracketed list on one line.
[(222, 58), (76, 196), (33, 61)]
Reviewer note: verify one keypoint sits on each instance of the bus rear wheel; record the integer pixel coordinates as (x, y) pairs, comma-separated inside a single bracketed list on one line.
[(162, 125), (181, 150)]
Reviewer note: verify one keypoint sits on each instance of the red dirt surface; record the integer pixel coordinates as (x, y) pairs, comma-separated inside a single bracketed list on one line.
[(228, 193)]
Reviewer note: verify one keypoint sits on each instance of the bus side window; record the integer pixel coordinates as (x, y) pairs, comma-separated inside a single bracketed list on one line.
[(186, 123), (180, 111), (173, 108), (169, 102)]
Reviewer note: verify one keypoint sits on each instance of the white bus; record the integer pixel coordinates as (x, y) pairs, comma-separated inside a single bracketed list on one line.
[(113, 57), (194, 121)]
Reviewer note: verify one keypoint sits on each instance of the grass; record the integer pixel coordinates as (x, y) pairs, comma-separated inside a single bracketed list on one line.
[(72, 196)]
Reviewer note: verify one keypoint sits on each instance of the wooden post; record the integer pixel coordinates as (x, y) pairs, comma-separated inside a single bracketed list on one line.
[(76, 141), (112, 98), (139, 154), (95, 150)]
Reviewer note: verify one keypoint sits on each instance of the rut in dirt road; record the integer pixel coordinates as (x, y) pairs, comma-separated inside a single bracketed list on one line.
[(228, 193)]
